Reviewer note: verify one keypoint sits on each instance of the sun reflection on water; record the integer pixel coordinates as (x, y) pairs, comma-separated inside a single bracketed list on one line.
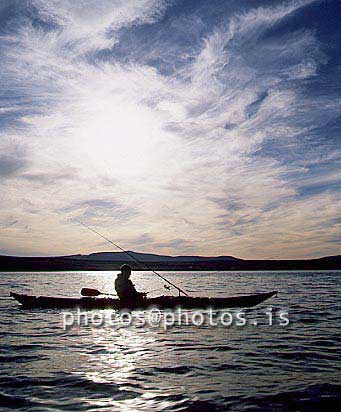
[(116, 359)]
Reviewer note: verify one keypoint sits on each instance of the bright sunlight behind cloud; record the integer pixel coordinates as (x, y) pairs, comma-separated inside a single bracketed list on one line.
[(171, 126)]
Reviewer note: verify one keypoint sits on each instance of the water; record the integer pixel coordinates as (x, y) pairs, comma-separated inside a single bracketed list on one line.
[(184, 368)]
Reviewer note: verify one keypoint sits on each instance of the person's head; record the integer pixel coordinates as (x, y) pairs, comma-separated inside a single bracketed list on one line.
[(126, 270)]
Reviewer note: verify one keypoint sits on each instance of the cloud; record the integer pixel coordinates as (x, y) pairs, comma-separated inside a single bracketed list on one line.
[(44, 178), (93, 210), (12, 161), (175, 244), (7, 224), (10, 165), (209, 127), (143, 239)]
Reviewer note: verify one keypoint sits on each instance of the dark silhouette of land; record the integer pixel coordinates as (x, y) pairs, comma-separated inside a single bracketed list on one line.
[(113, 261)]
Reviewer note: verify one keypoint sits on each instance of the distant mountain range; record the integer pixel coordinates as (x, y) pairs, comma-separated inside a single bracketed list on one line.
[(113, 261)]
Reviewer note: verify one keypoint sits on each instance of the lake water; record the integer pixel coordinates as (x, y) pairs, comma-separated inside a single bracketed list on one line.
[(184, 368)]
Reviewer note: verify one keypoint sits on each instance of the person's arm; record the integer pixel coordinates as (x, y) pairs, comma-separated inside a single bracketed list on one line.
[(133, 291), (131, 288)]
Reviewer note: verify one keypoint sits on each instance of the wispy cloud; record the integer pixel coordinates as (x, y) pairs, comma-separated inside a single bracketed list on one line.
[(94, 211), (44, 178), (13, 159), (207, 128)]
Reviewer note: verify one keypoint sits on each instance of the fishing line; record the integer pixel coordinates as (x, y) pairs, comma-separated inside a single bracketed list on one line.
[(133, 257)]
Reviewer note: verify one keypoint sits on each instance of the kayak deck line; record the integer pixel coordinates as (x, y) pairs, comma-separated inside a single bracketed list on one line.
[(161, 302)]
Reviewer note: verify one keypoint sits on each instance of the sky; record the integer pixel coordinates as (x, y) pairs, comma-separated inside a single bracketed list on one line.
[(172, 127)]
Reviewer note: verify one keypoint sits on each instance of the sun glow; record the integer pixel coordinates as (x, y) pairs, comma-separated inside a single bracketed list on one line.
[(116, 133)]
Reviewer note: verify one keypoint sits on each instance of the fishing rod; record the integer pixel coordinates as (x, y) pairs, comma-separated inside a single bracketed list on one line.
[(133, 257)]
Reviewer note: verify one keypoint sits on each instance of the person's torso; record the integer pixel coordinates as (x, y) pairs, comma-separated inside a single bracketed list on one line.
[(124, 288)]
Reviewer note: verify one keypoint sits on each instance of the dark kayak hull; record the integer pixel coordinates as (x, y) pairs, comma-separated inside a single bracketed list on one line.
[(162, 302)]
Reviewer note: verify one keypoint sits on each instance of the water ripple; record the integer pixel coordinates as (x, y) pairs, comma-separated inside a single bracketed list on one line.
[(44, 368)]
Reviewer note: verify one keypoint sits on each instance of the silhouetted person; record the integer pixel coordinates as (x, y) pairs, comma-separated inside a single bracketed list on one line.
[(125, 288)]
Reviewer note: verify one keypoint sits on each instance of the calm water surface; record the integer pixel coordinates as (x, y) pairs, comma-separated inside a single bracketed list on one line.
[(185, 368)]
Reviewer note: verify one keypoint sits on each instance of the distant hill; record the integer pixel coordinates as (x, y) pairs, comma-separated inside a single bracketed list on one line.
[(113, 261), (148, 257)]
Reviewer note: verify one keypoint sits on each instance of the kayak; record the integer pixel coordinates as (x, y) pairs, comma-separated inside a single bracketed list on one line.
[(161, 302)]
